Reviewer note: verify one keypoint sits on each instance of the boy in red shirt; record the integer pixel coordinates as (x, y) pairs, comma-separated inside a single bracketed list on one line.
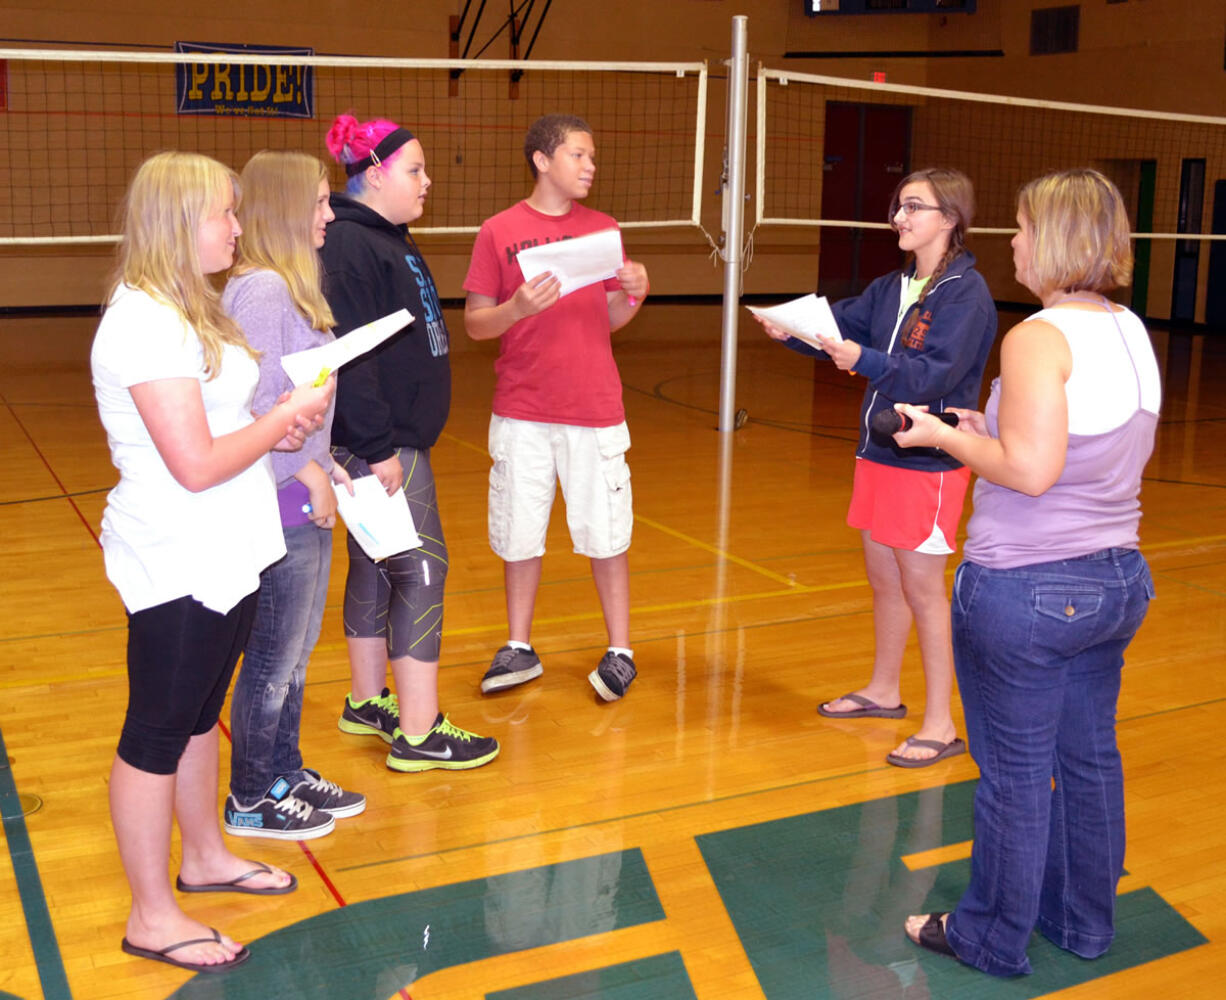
[(558, 412)]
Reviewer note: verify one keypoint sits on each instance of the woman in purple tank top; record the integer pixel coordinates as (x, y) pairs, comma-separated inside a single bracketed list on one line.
[(1052, 588)]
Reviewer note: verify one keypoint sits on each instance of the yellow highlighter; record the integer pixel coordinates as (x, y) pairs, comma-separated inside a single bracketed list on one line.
[(323, 377)]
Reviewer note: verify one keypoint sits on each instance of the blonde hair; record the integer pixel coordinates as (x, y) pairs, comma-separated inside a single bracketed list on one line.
[(170, 195), (1080, 240), (277, 215), (955, 197)]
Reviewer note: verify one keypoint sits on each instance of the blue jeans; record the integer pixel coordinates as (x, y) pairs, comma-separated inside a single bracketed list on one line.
[(266, 709), (1038, 652)]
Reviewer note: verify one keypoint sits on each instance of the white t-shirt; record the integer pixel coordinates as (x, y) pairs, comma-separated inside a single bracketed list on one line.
[(162, 541)]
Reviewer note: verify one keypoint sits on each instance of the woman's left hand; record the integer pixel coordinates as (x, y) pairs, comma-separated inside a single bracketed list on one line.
[(295, 438), (341, 477), (844, 353), (323, 502), (926, 430)]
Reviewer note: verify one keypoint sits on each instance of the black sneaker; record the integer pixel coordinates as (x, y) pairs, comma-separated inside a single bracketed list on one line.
[(511, 666), (280, 814), (613, 675), (444, 746), (373, 717), (318, 792)]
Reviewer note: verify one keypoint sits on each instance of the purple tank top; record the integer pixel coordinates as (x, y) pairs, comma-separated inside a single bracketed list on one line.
[(1095, 504)]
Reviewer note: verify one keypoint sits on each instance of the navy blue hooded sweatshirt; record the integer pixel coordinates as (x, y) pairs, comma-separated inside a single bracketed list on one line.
[(400, 393), (937, 361)]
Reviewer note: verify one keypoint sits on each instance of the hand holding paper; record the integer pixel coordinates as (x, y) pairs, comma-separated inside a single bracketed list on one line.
[(312, 366), (382, 525), (575, 263), (805, 318)]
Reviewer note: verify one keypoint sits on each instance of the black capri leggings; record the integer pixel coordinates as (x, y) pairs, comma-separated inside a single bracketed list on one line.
[(181, 657), (400, 599)]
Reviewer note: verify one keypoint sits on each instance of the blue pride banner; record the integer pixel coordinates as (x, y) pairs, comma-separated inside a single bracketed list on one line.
[(252, 89)]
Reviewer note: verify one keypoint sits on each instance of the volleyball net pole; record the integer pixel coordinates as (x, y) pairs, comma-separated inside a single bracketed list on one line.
[(732, 189)]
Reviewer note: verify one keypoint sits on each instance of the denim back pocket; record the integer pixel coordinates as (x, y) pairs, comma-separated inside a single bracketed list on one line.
[(1067, 617), (1067, 604)]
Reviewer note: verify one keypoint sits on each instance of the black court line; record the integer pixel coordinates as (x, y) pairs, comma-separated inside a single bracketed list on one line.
[(47, 956)]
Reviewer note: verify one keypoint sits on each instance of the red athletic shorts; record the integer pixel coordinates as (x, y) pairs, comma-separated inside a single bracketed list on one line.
[(908, 508)]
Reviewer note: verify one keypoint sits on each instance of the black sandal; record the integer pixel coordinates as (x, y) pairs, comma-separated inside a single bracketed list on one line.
[(932, 936)]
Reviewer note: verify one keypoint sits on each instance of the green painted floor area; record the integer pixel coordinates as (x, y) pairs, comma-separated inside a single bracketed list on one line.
[(375, 948), (660, 977), (819, 902)]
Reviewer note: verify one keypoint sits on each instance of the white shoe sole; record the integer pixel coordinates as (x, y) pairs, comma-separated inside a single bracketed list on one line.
[(257, 831), (602, 689), (504, 681)]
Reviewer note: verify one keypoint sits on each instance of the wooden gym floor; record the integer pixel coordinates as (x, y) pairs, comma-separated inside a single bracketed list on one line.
[(710, 836)]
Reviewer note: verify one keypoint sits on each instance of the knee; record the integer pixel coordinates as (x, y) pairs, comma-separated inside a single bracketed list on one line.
[(418, 569), (149, 748)]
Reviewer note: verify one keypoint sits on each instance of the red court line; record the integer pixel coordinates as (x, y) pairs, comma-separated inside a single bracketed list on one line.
[(47, 465)]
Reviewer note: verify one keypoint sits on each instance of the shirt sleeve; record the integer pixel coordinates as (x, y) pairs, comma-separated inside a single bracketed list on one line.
[(483, 276), (363, 416), (262, 307), (855, 315), (148, 340), (958, 325)]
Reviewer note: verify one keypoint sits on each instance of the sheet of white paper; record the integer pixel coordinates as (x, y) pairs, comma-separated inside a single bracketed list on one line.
[(304, 367), (381, 524), (575, 263), (804, 318)]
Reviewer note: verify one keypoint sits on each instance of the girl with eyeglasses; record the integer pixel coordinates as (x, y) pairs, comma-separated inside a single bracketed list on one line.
[(921, 335)]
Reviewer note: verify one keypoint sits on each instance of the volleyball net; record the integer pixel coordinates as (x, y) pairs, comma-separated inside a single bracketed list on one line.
[(998, 141), (830, 151), (74, 125)]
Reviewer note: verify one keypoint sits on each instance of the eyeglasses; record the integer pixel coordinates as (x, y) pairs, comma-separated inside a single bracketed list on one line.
[(909, 208)]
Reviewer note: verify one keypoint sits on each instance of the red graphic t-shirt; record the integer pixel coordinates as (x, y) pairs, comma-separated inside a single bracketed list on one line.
[(557, 366)]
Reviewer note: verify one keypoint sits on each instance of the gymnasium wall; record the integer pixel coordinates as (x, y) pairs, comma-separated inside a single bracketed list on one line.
[(1138, 53)]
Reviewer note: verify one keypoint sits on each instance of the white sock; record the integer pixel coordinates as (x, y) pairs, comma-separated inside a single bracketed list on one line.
[(516, 644), (628, 653)]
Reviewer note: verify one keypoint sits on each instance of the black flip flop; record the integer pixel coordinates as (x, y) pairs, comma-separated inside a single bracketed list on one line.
[(868, 709), (943, 751), (236, 884), (164, 954), (932, 936)]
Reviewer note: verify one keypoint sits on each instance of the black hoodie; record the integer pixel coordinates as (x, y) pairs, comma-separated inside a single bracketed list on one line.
[(398, 394)]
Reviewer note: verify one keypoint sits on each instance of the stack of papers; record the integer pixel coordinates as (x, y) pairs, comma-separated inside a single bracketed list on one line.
[(575, 263), (804, 318), (381, 524)]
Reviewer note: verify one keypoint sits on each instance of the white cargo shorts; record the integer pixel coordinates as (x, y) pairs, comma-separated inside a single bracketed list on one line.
[(590, 463)]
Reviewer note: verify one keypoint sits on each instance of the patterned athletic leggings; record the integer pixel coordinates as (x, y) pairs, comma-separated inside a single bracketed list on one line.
[(400, 599)]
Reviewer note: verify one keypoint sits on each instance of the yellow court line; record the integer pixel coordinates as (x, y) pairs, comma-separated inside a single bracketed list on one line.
[(484, 452), (1191, 543), (795, 591), (762, 570), (937, 856), (700, 602), (688, 539)]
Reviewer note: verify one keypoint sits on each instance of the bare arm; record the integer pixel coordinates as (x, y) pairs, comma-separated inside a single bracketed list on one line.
[(624, 303), (1029, 454), (322, 498), (485, 319), (173, 412)]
